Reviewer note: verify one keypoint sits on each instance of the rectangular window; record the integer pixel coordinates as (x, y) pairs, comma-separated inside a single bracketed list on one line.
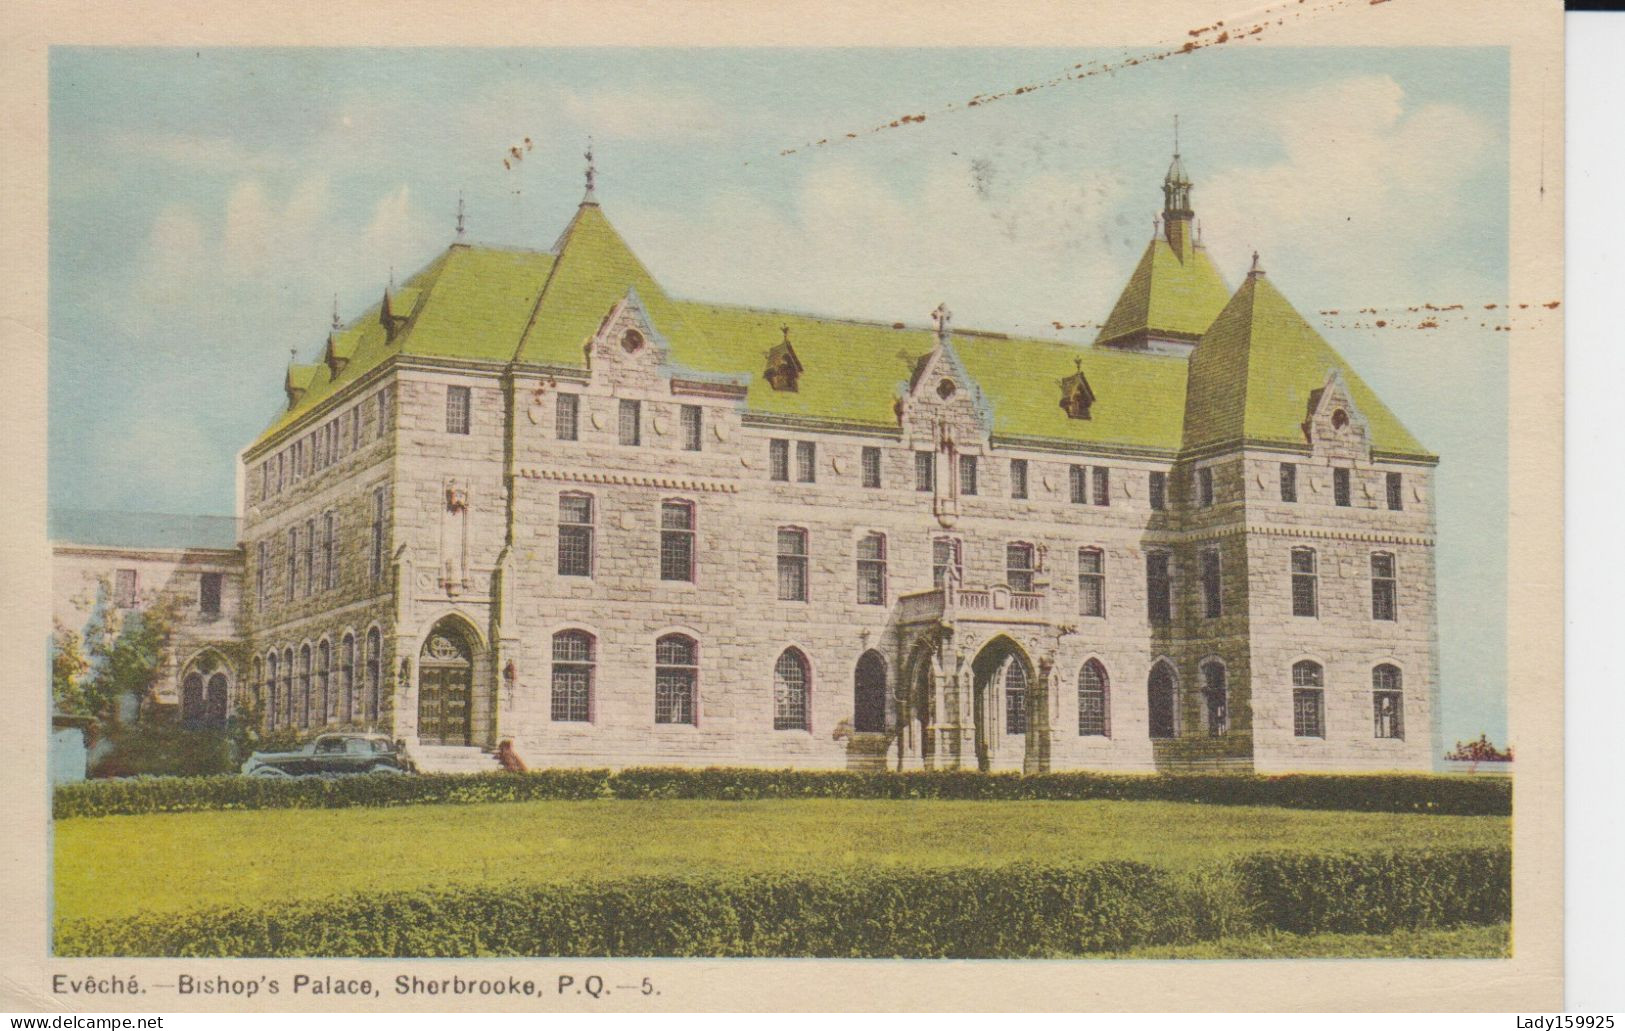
[(1341, 494), (945, 561), (1305, 583), (1307, 718), (566, 417), (1015, 699), (1158, 491), (1091, 581), (1212, 588), (676, 675), (293, 562), (1018, 567), (376, 563), (872, 570), (383, 410), (967, 474), (631, 422), (1018, 478), (778, 460), (806, 461), (262, 581), (1103, 485), (1384, 587), (124, 589), (572, 677), (1204, 487), (925, 467), (281, 470), (1289, 482), (677, 541), (310, 558), (692, 424), (1159, 588), (575, 534), (330, 566), (792, 564), (1387, 702), (1396, 492), (1080, 485), (871, 467)]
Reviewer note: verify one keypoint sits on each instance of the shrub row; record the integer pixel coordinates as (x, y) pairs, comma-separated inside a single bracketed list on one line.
[(1009, 911), (1462, 796)]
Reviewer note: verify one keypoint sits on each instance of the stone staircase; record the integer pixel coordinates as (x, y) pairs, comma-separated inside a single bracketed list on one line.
[(453, 759)]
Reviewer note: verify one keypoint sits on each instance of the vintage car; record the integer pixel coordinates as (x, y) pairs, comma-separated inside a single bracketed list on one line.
[(331, 754)]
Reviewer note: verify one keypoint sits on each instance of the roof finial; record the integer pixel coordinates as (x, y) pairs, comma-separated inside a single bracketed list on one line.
[(1198, 232), (941, 317), (592, 173), (1176, 135), (1077, 362), (1156, 225), (785, 329), (293, 355), (336, 323), (460, 214), (1256, 270)]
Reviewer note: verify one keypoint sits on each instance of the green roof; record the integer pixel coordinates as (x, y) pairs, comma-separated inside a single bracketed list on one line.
[(1252, 374), (494, 306), (1167, 294)]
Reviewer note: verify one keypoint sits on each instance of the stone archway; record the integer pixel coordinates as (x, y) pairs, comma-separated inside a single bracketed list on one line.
[(1003, 680), (916, 696), (446, 685), (1162, 700), (869, 694)]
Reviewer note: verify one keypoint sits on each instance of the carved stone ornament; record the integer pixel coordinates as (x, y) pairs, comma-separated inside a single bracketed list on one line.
[(456, 498), (658, 423), (1049, 483), (838, 463), (719, 429), (597, 420), (443, 649)]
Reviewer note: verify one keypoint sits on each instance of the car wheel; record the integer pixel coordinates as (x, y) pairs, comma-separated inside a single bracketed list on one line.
[(385, 768), (268, 771)]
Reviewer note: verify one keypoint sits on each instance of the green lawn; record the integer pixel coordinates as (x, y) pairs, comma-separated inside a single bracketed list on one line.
[(116, 865), (1490, 941)]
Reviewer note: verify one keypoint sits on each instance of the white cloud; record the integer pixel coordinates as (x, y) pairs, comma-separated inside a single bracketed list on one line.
[(854, 245), (199, 153)]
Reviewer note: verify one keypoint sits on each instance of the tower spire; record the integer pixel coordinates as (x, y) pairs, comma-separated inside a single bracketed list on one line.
[(1176, 202), (592, 174)]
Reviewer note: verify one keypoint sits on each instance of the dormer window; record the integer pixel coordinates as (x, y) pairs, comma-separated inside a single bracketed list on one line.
[(783, 367), (1076, 395)]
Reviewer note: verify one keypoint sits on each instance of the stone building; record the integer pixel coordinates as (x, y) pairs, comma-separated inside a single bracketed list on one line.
[(531, 496)]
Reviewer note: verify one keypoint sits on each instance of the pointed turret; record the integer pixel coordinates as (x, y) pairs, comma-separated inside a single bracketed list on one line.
[(1175, 291)]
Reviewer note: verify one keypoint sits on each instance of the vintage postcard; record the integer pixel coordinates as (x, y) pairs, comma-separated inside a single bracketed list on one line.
[(683, 507)]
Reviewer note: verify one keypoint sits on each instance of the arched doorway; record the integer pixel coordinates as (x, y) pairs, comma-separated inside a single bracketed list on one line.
[(869, 694), (445, 686), (1162, 700), (192, 700), (1001, 676), (916, 703), (214, 701)]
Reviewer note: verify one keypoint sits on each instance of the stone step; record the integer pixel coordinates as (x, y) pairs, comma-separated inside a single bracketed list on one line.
[(453, 759)]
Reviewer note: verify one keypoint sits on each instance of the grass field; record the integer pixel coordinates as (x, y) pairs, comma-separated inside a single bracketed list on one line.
[(117, 865)]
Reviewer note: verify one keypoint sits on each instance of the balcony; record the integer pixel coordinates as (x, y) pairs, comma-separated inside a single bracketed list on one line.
[(997, 604)]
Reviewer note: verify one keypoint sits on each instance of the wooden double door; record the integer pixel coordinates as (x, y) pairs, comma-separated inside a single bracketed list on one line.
[(445, 690)]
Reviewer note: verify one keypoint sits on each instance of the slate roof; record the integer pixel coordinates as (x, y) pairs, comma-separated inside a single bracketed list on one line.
[(1256, 369), (495, 306), (1168, 295)]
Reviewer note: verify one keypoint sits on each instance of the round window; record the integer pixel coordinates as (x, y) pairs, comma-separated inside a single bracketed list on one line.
[(946, 389), (631, 340), (1340, 419)]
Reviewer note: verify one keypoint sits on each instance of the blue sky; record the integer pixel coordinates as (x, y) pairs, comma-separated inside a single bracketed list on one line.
[(206, 206)]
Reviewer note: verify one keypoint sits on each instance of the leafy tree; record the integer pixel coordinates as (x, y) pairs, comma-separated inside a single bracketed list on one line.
[(68, 668), (1480, 751), (125, 651)]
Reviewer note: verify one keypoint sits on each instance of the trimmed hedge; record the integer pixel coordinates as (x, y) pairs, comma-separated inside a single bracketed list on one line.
[(1009, 911), (1402, 793)]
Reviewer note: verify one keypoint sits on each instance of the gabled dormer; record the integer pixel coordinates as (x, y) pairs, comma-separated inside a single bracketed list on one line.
[(338, 352), (1077, 397), (297, 382), (784, 368), (941, 398), (626, 347), (1333, 426), (396, 309)]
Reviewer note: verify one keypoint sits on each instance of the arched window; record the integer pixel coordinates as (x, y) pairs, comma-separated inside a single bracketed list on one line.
[(270, 689), (1094, 717), (1308, 699), (192, 699), (324, 668), (1161, 701), (214, 701), (572, 676), (287, 687), (869, 694), (1015, 698), (790, 692), (347, 678), (375, 648), (1216, 693), (302, 702), (676, 679), (1388, 701)]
